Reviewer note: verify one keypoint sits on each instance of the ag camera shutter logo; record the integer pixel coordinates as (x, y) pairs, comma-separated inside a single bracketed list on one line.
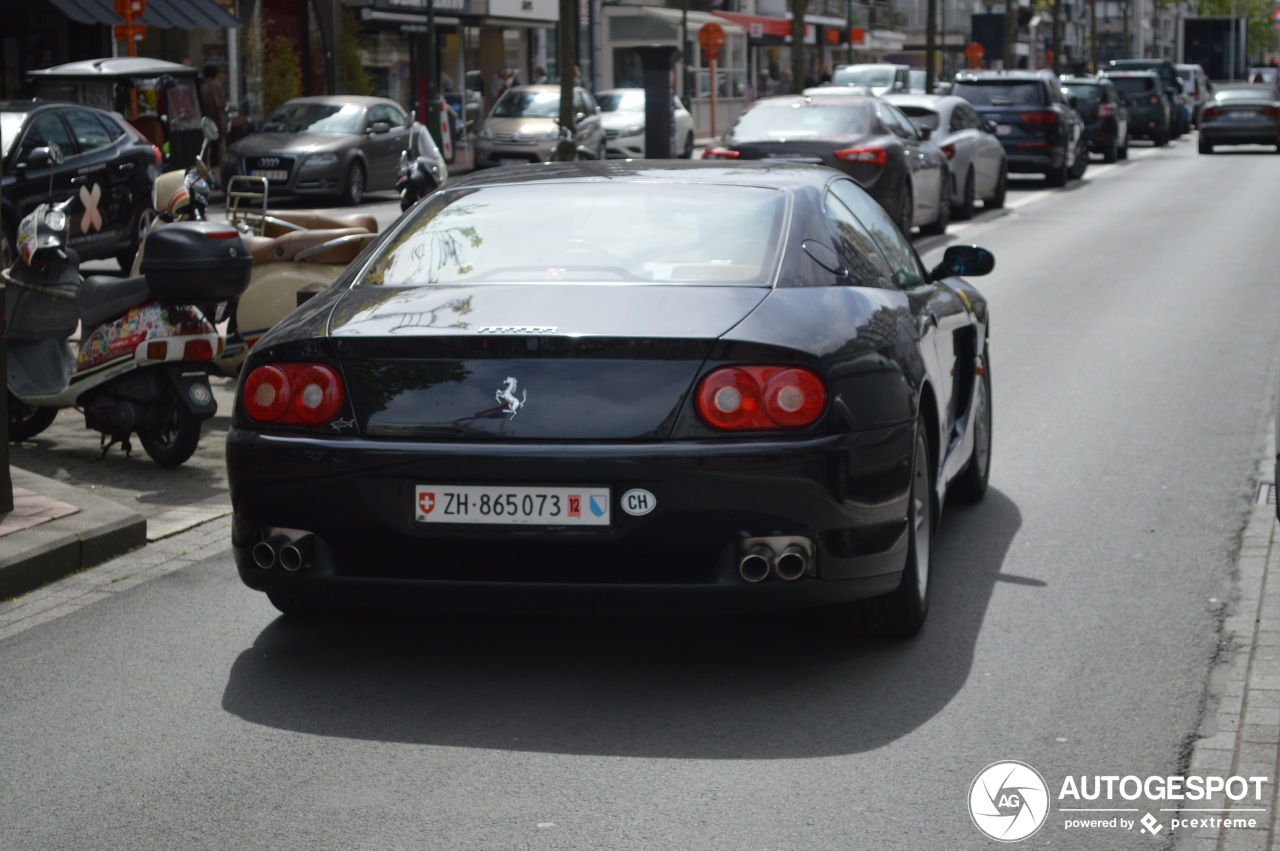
[(1008, 801)]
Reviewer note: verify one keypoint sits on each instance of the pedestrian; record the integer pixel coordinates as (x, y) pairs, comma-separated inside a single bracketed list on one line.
[(786, 85), (539, 75), (213, 103)]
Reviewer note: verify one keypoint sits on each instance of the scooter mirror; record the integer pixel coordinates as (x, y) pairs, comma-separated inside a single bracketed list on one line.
[(210, 128)]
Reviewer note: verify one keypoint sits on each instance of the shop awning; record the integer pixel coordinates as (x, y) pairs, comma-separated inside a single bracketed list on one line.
[(758, 26), (161, 14)]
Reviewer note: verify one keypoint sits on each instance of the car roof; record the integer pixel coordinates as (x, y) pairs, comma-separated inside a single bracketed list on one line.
[(994, 76), (116, 66), (362, 100), (738, 172), (1111, 75), (34, 104), (917, 99)]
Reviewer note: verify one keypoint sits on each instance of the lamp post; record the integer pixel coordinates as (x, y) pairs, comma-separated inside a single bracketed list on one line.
[(848, 32), (684, 51)]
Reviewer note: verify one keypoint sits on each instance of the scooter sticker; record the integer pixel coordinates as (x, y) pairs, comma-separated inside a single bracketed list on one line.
[(92, 219), (200, 394)]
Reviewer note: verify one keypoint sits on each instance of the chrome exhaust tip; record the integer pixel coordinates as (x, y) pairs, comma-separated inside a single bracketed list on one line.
[(297, 554), (792, 563), (266, 552), (753, 567)]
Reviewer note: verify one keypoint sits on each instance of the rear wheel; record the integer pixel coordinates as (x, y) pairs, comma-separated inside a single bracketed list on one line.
[(1081, 161), (996, 201), (1058, 176), (172, 432), (1112, 152), (1161, 139), (966, 208), (688, 147), (971, 485), (353, 189), (26, 421), (1205, 146), (906, 209), (1124, 149)]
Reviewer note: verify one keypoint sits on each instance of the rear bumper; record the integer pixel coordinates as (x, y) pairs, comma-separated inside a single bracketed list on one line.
[(1243, 135)]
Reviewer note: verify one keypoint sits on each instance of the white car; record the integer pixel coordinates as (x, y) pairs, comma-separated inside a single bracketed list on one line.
[(622, 113)]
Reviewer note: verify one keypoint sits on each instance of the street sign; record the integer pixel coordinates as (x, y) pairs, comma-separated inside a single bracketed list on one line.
[(711, 39), (122, 32), (130, 9), (974, 53)]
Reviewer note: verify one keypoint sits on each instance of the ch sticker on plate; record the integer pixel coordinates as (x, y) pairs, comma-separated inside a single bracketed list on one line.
[(508, 506)]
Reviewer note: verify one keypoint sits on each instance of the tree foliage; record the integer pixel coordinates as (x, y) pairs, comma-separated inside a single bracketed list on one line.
[(1260, 34), (281, 73), (352, 78)]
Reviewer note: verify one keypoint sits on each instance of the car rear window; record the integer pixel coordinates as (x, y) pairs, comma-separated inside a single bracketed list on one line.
[(1083, 91), (855, 76), (921, 116), (527, 105), (579, 232), (1133, 85), (798, 119), (1000, 92), (1249, 93)]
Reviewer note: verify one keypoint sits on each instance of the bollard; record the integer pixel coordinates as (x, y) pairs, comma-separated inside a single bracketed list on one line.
[(659, 124)]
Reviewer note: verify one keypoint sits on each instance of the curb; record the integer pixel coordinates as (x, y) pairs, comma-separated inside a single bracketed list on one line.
[(99, 530)]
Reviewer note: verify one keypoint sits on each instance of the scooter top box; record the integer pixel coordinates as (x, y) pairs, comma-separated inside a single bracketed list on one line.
[(196, 262)]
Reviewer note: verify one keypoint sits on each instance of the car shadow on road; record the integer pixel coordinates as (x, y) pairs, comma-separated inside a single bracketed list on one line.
[(761, 687)]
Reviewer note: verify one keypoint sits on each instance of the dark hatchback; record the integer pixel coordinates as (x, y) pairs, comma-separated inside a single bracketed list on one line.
[(1040, 131), (1241, 114), (107, 163), (1170, 87), (1105, 117), (1149, 113), (868, 139), (754, 396)]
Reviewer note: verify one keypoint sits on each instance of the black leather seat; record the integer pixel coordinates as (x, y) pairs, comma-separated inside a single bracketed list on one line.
[(103, 297)]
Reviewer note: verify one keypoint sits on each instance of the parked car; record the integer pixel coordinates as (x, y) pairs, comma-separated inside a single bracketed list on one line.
[(106, 162), (523, 126), (334, 145), (622, 113), (1149, 113), (867, 138), (1179, 114), (160, 99), (1105, 117), (1040, 131), (979, 168), (1241, 114), (1197, 88), (753, 396), (880, 77)]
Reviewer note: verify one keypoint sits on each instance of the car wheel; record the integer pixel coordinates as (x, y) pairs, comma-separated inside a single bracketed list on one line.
[(939, 225), (26, 421), (297, 604), (901, 613), (906, 209), (1161, 139), (1081, 162), (688, 147), (966, 208), (971, 485), (996, 201), (141, 228), (1123, 153), (1112, 153), (1205, 146), (172, 437), (353, 189), (1060, 175)]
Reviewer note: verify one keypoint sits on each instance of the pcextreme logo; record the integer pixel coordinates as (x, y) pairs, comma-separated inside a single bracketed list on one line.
[(1009, 801)]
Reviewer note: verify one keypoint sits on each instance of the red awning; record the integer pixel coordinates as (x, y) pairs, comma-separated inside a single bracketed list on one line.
[(758, 26)]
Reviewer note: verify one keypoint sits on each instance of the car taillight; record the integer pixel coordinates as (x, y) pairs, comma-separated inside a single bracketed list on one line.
[(754, 398), (1038, 118), (1153, 100), (1210, 113), (1105, 110), (870, 155), (307, 394), (1269, 112), (720, 154), (949, 150)]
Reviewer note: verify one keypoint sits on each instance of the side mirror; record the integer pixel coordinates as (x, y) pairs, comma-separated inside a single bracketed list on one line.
[(44, 157), (380, 127), (963, 261), (825, 256)]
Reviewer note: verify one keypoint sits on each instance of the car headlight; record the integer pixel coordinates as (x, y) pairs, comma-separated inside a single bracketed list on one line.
[(484, 133), (549, 135), (631, 130), (320, 159)]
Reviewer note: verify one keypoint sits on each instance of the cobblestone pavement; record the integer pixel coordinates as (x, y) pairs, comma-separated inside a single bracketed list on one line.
[(170, 498)]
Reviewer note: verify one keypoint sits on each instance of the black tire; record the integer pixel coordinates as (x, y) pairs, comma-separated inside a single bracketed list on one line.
[(1205, 146), (1123, 153), (297, 604), (1161, 139), (172, 432), (971, 485), (353, 188), (1112, 152), (1060, 175), (938, 226), (688, 147), (26, 421), (901, 613), (968, 201), (906, 208), (996, 201), (1081, 162)]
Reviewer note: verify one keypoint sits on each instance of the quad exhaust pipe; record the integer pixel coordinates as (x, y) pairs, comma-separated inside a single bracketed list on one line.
[(786, 558), (293, 553)]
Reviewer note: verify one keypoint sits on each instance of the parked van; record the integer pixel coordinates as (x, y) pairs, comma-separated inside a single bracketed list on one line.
[(1197, 88)]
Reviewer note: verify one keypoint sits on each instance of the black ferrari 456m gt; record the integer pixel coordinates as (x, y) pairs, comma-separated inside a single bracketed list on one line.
[(626, 386)]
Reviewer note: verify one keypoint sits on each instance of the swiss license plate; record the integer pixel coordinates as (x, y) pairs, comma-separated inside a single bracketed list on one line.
[(508, 506), (1004, 129), (271, 174)]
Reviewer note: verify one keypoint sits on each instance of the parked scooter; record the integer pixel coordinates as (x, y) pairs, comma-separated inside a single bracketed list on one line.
[(139, 367), (422, 168)]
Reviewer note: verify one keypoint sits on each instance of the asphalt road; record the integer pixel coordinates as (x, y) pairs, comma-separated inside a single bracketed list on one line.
[(1075, 615)]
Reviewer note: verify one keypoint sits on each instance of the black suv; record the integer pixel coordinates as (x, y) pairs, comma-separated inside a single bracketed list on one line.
[(1106, 120), (1149, 114), (107, 163), (1040, 131), (1168, 74)]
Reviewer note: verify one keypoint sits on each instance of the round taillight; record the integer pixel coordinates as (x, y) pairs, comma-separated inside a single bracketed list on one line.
[(728, 399), (794, 398), (266, 394), (317, 394)]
